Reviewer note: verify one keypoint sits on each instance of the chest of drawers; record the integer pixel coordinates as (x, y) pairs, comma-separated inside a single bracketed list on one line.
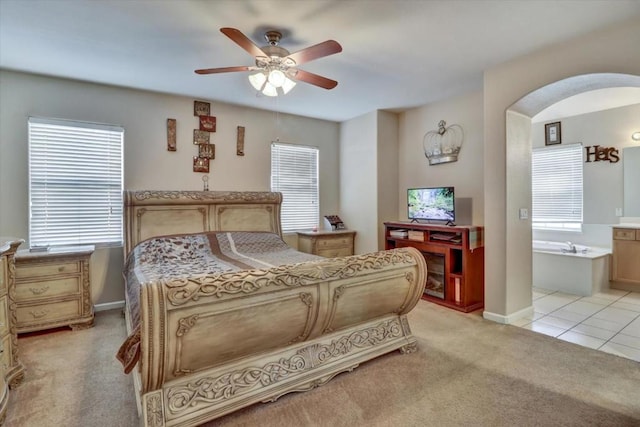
[(328, 244), (53, 289), (11, 370)]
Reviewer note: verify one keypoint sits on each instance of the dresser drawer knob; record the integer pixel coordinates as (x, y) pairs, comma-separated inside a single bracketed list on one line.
[(39, 314), (61, 269), (39, 291)]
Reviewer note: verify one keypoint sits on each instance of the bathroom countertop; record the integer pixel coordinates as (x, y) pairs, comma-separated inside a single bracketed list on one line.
[(626, 225)]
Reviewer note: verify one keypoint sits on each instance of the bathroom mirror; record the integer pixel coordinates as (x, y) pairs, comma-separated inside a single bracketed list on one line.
[(631, 180)]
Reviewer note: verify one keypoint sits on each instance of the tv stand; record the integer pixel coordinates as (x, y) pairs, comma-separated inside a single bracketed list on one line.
[(455, 261)]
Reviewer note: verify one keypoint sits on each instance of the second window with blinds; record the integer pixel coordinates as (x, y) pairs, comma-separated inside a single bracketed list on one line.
[(556, 187), (294, 173)]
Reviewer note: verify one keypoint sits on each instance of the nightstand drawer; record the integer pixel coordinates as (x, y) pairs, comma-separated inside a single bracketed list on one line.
[(332, 253), (46, 313), (32, 270), (334, 243), (29, 291)]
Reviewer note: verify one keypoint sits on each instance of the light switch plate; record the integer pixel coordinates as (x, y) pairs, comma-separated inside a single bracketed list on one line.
[(524, 213)]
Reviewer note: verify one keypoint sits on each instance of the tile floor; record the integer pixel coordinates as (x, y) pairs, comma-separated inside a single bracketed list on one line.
[(607, 321)]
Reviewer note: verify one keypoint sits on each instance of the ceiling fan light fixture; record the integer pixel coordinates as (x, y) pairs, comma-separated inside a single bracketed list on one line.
[(261, 81), (277, 78), (288, 85), (258, 80), (269, 90)]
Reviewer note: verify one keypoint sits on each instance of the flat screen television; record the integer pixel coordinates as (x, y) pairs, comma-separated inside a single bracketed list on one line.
[(431, 204)]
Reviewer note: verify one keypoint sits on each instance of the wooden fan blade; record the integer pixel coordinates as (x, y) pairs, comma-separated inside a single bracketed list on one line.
[(223, 70), (243, 41), (316, 51), (315, 79)]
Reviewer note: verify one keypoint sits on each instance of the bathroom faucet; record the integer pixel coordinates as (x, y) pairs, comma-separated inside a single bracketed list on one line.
[(572, 249)]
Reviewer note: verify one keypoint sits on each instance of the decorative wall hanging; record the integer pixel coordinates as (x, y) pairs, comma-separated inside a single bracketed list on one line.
[(171, 134), (240, 141), (207, 151), (200, 137), (201, 108), (598, 153), (208, 123), (200, 164), (552, 134), (205, 183), (443, 145)]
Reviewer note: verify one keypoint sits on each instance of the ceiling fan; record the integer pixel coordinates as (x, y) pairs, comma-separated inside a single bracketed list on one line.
[(277, 68)]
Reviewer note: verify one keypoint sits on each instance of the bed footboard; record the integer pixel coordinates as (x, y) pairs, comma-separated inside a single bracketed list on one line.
[(213, 344)]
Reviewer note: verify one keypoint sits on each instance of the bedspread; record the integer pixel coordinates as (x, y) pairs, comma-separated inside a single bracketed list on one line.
[(192, 255)]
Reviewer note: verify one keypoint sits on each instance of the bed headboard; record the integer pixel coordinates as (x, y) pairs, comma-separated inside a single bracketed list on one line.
[(156, 213)]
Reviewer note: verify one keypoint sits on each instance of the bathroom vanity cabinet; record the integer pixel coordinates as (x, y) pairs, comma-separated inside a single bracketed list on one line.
[(625, 273)]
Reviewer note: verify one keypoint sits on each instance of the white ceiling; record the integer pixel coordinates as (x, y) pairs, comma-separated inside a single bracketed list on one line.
[(396, 54)]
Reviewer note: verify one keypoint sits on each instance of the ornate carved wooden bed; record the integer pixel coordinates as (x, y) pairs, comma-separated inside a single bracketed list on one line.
[(202, 345)]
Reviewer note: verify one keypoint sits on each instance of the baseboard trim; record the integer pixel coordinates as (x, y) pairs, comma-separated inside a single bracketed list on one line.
[(510, 318), (108, 306)]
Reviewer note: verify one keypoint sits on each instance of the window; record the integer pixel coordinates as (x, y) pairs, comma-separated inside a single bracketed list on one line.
[(75, 183), (556, 184), (294, 172)]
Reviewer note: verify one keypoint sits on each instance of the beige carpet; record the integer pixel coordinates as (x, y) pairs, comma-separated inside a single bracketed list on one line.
[(467, 371)]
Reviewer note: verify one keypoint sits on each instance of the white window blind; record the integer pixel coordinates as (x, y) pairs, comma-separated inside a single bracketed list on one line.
[(294, 173), (75, 183), (556, 184)]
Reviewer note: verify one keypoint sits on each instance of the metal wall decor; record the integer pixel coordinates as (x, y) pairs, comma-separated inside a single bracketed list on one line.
[(207, 150), (597, 153), (207, 123), (443, 145), (201, 108), (200, 164), (171, 135), (200, 136), (240, 141)]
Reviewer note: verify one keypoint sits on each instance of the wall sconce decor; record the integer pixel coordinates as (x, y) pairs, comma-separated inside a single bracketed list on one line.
[(635, 136), (443, 145)]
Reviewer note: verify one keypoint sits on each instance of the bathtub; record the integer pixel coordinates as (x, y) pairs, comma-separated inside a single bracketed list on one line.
[(582, 273)]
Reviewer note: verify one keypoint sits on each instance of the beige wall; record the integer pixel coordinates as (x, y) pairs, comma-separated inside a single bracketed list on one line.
[(603, 186), (466, 175), (358, 179), (147, 163), (614, 50), (369, 176), (388, 167)]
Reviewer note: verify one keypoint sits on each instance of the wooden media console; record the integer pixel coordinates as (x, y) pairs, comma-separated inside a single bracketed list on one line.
[(455, 261)]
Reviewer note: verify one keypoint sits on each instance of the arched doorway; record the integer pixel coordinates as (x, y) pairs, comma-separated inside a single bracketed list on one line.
[(518, 169)]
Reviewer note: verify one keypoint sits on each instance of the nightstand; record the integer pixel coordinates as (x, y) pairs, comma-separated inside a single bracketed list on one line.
[(53, 289), (328, 244)]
